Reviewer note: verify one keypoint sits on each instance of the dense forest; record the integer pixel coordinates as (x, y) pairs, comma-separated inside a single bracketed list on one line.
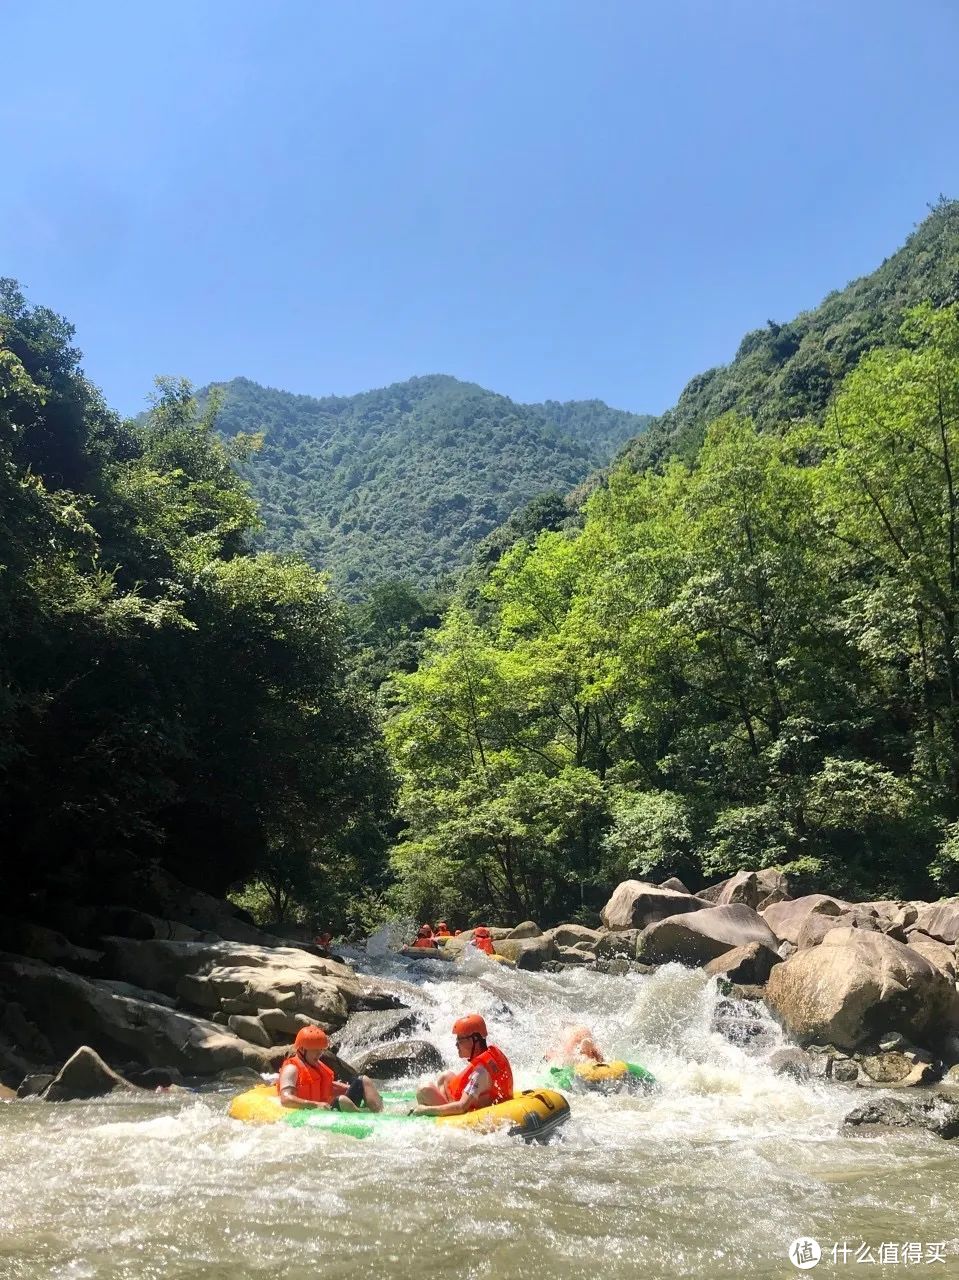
[(741, 650), (167, 697), (784, 372), (402, 483), (746, 660)]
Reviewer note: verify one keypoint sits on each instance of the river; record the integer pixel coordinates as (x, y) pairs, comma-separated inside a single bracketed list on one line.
[(712, 1176)]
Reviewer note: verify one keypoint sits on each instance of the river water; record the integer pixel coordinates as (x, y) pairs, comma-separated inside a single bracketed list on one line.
[(713, 1176)]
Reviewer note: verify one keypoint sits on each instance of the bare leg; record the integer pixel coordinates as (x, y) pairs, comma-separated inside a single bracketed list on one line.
[(432, 1093), (371, 1095)]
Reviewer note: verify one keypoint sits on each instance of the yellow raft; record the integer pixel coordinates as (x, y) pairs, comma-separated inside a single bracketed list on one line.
[(533, 1115)]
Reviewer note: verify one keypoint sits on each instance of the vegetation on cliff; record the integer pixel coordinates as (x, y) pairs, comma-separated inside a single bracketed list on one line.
[(165, 694)]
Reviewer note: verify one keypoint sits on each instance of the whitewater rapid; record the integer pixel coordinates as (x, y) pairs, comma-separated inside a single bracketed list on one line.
[(712, 1175)]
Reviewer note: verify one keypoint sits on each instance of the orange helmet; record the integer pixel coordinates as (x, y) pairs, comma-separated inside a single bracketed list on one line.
[(471, 1024), (481, 931), (425, 931), (311, 1038)]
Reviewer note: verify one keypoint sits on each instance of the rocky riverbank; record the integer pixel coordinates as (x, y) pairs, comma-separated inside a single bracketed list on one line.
[(866, 992)]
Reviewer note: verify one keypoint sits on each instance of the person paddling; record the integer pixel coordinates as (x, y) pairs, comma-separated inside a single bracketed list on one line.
[(306, 1081), (487, 1079)]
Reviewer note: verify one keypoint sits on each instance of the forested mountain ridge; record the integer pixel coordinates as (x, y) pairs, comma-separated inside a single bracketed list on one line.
[(784, 372), (403, 482)]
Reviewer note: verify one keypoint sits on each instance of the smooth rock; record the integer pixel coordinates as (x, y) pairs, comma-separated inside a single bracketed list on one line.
[(675, 884), (751, 964), (364, 1030), (527, 953), (695, 938), (39, 943), (636, 904), (574, 935), (857, 985), (787, 918), (528, 929), (84, 1075), (399, 1059), (816, 925), (940, 920), (73, 1011), (250, 1029), (621, 943), (937, 953), (572, 955), (33, 1085)]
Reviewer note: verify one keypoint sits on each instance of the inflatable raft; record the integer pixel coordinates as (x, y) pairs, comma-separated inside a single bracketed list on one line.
[(604, 1077), (534, 1115)]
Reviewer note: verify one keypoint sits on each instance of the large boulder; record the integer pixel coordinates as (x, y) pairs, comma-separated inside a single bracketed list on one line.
[(935, 1115), (247, 989), (696, 938), (940, 920), (816, 925), (572, 935), (892, 916), (751, 964), (38, 943), (857, 985), (636, 904), (675, 884), (618, 944), (937, 953), (787, 918), (398, 1059), (71, 1012), (366, 1030), (748, 888), (84, 1075), (528, 929), (527, 953)]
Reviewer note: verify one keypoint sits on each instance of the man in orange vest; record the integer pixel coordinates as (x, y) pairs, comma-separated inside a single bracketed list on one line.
[(306, 1081), (487, 1079), (442, 930), (482, 939)]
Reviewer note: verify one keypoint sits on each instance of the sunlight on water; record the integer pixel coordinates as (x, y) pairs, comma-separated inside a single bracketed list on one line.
[(710, 1176)]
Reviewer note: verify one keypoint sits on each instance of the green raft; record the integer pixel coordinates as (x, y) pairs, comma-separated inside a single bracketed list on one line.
[(602, 1077)]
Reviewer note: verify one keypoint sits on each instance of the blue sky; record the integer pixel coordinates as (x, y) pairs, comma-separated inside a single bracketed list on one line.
[(555, 199)]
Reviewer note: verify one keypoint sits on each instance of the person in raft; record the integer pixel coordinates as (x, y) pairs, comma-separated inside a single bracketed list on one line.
[(487, 1078), (442, 930), (424, 937), (574, 1047), (482, 940), (306, 1081)]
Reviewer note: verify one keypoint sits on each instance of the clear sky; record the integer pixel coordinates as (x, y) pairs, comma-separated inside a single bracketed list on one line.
[(555, 198)]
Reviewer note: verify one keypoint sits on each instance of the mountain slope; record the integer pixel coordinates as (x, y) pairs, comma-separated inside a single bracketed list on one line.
[(791, 371), (403, 482)]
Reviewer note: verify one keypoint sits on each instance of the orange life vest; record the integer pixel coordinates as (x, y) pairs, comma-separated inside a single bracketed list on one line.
[(442, 933), (314, 1082), (484, 944), (500, 1074), (424, 942)]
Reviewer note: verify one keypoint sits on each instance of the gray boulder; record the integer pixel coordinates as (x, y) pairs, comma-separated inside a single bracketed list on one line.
[(636, 904), (618, 944), (695, 938), (72, 1011), (675, 884), (816, 925), (573, 955), (250, 1029), (399, 1059), (857, 985), (935, 1115), (84, 1075)]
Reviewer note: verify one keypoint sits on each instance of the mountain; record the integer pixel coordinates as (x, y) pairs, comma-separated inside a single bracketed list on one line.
[(788, 371), (403, 482)]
